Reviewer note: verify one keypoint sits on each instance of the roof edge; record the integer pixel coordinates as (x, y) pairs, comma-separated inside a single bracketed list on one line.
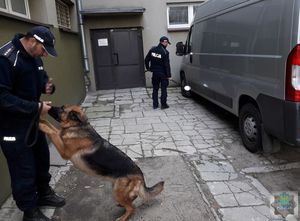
[(109, 11)]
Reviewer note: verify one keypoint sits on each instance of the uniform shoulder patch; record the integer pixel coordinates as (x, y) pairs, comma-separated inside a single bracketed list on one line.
[(9, 51)]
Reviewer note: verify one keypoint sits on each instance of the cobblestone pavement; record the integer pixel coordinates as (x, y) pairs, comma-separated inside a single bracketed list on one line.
[(210, 145), (194, 131)]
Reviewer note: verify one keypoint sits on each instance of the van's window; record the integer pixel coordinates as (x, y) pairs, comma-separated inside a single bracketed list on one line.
[(180, 16), (209, 35), (15, 7), (195, 8), (189, 41)]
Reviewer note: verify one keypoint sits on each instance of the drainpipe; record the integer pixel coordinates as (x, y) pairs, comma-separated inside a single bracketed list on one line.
[(83, 43)]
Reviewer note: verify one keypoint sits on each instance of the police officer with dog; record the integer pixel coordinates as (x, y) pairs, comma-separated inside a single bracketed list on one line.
[(158, 62), (22, 81)]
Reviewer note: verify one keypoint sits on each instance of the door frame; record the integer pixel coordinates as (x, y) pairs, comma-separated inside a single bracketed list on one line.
[(140, 51)]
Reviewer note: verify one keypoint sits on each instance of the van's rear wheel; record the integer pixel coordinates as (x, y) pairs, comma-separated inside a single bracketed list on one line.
[(250, 127), (182, 85)]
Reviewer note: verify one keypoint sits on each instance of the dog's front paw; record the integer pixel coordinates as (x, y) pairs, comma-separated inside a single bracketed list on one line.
[(121, 219), (43, 127)]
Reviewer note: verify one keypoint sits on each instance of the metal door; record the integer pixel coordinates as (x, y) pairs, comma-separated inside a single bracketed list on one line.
[(118, 58)]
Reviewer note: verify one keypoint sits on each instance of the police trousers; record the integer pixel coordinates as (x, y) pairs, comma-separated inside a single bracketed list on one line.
[(28, 167), (163, 83)]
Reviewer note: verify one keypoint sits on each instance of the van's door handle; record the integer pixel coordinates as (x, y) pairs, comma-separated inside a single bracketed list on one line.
[(191, 57), (116, 58)]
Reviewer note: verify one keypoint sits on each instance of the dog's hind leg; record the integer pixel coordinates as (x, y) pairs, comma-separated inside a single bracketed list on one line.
[(129, 210), (124, 193)]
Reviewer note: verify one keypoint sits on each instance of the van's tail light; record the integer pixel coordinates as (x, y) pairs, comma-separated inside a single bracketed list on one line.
[(292, 85)]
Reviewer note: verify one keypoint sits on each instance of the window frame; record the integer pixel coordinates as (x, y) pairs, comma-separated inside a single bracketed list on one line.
[(10, 11), (190, 16), (63, 3)]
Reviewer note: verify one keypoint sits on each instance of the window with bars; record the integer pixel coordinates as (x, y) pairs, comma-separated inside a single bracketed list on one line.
[(63, 14), (180, 16), (15, 7)]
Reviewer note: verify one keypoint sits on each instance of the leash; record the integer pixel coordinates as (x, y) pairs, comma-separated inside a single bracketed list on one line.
[(33, 128), (170, 79)]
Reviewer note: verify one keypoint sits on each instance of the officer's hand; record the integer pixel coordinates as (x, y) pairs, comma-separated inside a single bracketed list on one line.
[(46, 107), (49, 86)]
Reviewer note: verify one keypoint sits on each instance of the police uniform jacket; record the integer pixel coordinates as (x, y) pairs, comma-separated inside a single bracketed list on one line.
[(22, 80), (159, 60)]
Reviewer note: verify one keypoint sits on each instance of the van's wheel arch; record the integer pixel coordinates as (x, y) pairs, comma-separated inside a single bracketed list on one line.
[(250, 127), (182, 84)]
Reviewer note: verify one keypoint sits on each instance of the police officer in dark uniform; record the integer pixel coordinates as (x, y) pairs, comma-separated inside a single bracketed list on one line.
[(22, 80), (159, 60)]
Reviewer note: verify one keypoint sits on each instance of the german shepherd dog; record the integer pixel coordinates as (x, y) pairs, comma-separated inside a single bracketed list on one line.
[(78, 142)]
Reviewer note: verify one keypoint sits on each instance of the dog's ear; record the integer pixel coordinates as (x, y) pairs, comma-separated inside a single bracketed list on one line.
[(76, 116)]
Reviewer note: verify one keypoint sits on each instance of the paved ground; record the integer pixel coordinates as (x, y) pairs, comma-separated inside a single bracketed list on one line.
[(193, 145), (90, 199)]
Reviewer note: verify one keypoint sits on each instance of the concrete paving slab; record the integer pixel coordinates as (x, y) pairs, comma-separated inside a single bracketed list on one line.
[(90, 198), (226, 200), (217, 188), (248, 199), (7, 214), (55, 158), (248, 214), (276, 180)]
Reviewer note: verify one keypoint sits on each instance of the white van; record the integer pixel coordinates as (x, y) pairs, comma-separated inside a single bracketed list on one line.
[(244, 55)]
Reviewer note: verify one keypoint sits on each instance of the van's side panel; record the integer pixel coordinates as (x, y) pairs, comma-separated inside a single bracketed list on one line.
[(214, 6), (237, 54)]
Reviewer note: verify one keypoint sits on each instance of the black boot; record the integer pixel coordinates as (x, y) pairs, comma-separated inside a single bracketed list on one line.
[(35, 215), (164, 106), (50, 198)]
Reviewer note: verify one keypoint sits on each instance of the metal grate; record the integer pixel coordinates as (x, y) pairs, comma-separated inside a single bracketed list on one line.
[(63, 14)]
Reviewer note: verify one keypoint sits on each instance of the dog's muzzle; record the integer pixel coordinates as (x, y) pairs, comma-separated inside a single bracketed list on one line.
[(55, 112)]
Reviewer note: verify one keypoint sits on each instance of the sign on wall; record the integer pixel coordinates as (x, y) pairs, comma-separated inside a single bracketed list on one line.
[(102, 42)]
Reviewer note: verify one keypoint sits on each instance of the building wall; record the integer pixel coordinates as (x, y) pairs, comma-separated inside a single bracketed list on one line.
[(5, 183), (153, 23), (66, 70), (44, 11)]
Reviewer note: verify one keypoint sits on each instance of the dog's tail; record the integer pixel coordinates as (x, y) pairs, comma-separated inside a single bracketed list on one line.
[(147, 193)]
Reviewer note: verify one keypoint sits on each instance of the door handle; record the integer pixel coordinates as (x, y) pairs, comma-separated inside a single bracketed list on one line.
[(116, 58), (191, 57)]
